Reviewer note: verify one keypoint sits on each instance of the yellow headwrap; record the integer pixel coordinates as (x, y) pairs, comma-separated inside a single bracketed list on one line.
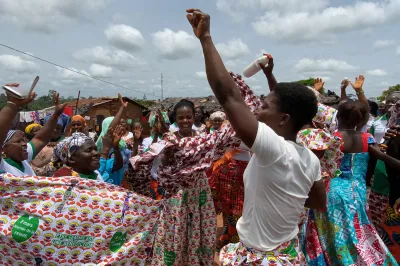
[(29, 128)]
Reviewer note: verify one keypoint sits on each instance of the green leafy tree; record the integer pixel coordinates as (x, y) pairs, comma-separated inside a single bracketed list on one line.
[(385, 93)]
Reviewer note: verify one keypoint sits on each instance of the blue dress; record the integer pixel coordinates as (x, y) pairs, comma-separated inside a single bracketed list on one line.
[(343, 233)]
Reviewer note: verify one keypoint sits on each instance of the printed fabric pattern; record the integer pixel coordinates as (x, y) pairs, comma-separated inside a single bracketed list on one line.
[(73, 221), (287, 254), (343, 234)]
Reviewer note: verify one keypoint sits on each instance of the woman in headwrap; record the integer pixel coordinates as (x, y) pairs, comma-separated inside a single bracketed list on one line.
[(16, 152), (41, 165), (77, 124), (32, 129), (113, 122), (78, 153), (217, 118)]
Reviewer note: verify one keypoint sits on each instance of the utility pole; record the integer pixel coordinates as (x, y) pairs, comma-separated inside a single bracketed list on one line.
[(162, 91)]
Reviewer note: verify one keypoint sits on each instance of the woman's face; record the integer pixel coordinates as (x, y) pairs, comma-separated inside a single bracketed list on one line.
[(77, 126), (216, 123), (123, 124), (198, 114), (185, 119), (16, 148), (35, 130), (86, 158), (57, 131)]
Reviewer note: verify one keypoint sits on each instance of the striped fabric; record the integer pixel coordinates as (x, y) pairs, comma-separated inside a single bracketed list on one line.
[(10, 134)]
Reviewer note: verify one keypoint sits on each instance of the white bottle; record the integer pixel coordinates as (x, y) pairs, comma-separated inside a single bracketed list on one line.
[(256, 66)]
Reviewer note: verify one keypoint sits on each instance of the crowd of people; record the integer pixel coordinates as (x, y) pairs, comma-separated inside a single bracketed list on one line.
[(297, 182)]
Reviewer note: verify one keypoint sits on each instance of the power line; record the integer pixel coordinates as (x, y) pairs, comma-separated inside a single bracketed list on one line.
[(77, 72)]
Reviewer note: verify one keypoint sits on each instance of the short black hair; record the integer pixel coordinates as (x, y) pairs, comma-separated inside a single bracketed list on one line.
[(298, 101), (353, 114), (373, 108), (184, 103)]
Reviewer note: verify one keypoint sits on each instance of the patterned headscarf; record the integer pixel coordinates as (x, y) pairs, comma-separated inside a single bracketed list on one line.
[(395, 114), (29, 128), (63, 120), (218, 114), (68, 146), (10, 134)]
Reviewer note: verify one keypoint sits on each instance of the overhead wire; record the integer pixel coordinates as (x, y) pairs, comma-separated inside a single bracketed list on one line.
[(77, 72)]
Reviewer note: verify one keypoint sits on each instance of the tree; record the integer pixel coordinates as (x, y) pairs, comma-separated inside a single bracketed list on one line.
[(385, 93), (310, 82)]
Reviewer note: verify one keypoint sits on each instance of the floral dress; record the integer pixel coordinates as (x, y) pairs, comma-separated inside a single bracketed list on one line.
[(342, 234), (186, 231)]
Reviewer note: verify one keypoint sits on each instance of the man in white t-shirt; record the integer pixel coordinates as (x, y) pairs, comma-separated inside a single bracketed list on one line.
[(282, 177)]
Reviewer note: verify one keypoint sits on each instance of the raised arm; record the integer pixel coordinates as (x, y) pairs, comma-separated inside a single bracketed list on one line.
[(43, 137), (118, 116), (358, 87), (269, 75), (221, 82), (9, 111), (343, 86)]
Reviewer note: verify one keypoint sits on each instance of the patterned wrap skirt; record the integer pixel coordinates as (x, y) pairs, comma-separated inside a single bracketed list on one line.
[(287, 254)]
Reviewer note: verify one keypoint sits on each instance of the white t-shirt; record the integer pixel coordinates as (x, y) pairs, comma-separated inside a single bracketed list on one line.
[(16, 172), (380, 128), (277, 182)]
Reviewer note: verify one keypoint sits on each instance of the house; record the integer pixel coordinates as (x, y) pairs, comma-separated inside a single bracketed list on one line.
[(97, 109)]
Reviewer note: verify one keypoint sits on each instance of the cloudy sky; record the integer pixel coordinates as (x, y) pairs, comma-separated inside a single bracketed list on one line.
[(131, 42)]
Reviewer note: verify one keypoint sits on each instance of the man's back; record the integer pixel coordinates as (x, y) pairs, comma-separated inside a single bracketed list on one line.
[(277, 182)]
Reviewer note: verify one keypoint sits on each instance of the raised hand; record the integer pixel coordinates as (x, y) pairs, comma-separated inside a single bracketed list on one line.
[(200, 22), (137, 130), (344, 83), (270, 66), (318, 84), (359, 83), (116, 136), (163, 127), (20, 102), (123, 104), (59, 108)]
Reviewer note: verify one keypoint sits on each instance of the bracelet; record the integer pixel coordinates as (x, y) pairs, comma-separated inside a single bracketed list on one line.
[(360, 92), (8, 102)]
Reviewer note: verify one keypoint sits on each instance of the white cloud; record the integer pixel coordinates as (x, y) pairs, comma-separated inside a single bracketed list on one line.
[(324, 23), (125, 37), (119, 59), (201, 74), (233, 49), (17, 64), (398, 50), (70, 77), (239, 9), (322, 66), (100, 71), (175, 45), (384, 43), (47, 15), (377, 72)]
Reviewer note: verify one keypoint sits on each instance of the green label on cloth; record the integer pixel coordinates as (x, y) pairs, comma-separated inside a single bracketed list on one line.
[(117, 241), (169, 257), (24, 228), (203, 198)]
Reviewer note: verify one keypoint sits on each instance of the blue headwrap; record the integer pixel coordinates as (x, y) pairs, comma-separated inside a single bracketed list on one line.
[(63, 120)]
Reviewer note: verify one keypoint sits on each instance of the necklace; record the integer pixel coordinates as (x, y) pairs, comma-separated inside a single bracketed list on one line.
[(179, 133)]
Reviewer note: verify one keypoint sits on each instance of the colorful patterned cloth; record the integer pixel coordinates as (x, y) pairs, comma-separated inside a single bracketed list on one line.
[(326, 118), (287, 254), (343, 234), (69, 145), (73, 221), (187, 229)]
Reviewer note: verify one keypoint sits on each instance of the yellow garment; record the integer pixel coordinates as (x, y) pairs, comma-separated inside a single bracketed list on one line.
[(29, 128)]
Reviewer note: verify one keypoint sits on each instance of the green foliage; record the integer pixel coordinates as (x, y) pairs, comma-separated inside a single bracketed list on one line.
[(310, 82), (385, 93), (39, 103)]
